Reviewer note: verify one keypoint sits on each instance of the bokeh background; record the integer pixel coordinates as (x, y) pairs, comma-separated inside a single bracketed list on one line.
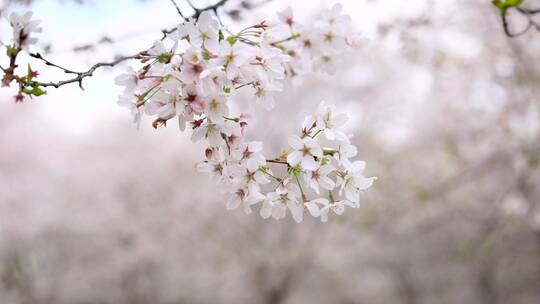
[(446, 113)]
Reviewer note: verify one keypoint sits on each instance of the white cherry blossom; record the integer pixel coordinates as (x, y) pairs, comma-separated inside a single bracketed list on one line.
[(196, 81), (318, 178), (336, 207), (23, 26), (246, 198), (304, 152), (277, 203), (217, 107), (353, 182), (193, 75), (330, 122)]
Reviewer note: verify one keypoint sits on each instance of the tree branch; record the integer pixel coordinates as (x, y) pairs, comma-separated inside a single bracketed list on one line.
[(275, 161), (528, 13), (80, 75), (47, 62), (178, 9), (214, 7)]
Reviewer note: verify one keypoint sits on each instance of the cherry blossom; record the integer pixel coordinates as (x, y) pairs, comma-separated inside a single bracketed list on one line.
[(23, 26), (352, 181), (197, 85), (192, 76), (305, 152), (277, 202), (195, 74), (246, 198), (337, 208), (319, 178)]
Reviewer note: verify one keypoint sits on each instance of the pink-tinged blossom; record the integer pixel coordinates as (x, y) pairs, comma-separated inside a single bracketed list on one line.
[(352, 182), (128, 80), (210, 131), (319, 178), (23, 26), (217, 107), (277, 203), (336, 207), (245, 197), (304, 151), (195, 81)]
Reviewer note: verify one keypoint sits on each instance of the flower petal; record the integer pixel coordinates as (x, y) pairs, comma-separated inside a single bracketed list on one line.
[(294, 158)]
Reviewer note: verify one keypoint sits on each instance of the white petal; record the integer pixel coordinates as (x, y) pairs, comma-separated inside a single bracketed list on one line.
[(247, 208), (197, 134), (295, 142), (254, 197), (330, 135), (352, 194), (255, 146), (233, 203), (279, 211), (317, 151), (313, 209), (309, 163), (294, 158), (297, 211), (340, 119), (338, 208), (266, 210), (327, 183), (358, 166), (365, 183), (324, 214)]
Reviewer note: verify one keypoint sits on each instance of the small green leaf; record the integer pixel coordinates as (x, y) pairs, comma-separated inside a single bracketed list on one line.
[(504, 5), (511, 3), (35, 91)]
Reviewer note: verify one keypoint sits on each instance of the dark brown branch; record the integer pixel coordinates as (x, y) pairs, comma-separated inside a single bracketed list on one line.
[(528, 13), (292, 37), (166, 32), (80, 75), (531, 11), (178, 9), (275, 161), (507, 29), (47, 62), (214, 7)]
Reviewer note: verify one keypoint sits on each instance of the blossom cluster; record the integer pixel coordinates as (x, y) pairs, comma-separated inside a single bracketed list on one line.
[(23, 29), (192, 76), (318, 175)]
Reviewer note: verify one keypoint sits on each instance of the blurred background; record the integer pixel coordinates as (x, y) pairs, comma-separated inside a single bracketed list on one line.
[(446, 113)]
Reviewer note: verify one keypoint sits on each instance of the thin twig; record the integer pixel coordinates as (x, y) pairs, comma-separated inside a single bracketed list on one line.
[(198, 11), (81, 75), (275, 161), (47, 62), (528, 13), (507, 29), (178, 9)]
